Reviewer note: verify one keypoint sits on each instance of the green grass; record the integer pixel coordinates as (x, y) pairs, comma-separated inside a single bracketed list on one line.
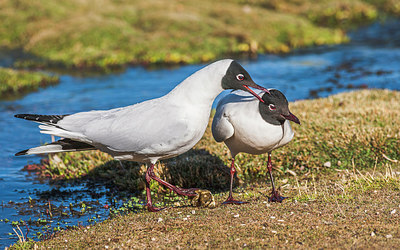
[(17, 82), (109, 34)]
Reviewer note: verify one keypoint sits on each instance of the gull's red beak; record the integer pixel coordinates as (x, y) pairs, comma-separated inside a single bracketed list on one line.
[(291, 117), (253, 93)]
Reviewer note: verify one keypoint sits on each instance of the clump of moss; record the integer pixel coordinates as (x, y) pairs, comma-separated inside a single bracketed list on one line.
[(14, 82)]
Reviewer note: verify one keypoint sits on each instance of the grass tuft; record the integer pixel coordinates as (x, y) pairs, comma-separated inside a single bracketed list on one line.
[(15, 82)]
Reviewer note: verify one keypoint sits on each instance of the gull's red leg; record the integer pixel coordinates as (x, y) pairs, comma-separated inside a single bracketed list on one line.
[(230, 199), (275, 196), (149, 205), (180, 191)]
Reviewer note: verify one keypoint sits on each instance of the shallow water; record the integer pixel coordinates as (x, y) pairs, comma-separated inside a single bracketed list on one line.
[(371, 60)]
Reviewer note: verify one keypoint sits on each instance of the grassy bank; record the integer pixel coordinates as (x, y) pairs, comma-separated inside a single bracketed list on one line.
[(108, 34), (342, 172), (17, 82)]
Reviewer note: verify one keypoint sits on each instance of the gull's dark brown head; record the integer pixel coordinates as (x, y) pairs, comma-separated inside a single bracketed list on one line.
[(275, 108), (236, 77)]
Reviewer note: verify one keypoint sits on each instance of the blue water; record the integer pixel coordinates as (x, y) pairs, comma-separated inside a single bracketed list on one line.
[(371, 60)]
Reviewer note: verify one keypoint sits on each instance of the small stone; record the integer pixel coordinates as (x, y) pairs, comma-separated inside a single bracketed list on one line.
[(274, 232), (327, 164), (389, 236), (393, 211), (153, 239), (280, 220), (193, 211), (372, 234), (244, 244), (160, 219), (236, 215), (106, 247), (272, 217), (185, 218)]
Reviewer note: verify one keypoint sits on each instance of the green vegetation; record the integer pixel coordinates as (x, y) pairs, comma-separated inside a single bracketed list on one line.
[(13, 82), (341, 172), (108, 34)]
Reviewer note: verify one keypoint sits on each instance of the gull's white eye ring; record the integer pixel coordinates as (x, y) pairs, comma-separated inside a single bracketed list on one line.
[(240, 77), (271, 107)]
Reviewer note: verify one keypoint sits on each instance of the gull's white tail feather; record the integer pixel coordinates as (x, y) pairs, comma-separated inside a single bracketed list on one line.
[(57, 131)]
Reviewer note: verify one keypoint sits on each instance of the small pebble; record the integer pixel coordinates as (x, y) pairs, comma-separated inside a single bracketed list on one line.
[(193, 211), (272, 217), (373, 234), (393, 211), (184, 218), (153, 239), (327, 164), (281, 220), (236, 215), (160, 219), (389, 236), (274, 232)]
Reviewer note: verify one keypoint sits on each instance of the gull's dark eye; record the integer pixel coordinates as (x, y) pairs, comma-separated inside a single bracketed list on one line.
[(240, 77), (271, 107)]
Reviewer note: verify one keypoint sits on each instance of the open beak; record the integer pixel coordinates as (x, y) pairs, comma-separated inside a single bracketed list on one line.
[(253, 93), (291, 117)]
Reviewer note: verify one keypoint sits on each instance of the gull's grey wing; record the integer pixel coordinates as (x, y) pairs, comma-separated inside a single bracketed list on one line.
[(221, 128), (142, 128)]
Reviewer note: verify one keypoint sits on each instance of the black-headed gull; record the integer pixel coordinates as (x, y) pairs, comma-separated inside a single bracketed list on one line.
[(250, 126), (151, 130)]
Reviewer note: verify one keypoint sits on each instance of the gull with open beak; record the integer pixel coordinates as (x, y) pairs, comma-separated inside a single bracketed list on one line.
[(149, 131)]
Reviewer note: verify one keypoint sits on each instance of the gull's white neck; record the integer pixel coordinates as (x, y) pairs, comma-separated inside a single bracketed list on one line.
[(202, 87)]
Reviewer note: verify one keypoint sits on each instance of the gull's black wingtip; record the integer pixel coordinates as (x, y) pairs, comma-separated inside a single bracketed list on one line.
[(19, 116), (23, 152)]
